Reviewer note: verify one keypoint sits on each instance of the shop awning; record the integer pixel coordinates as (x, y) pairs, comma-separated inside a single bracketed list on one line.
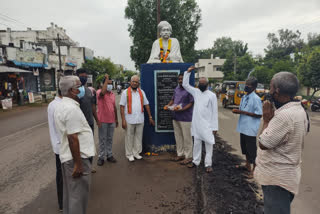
[(4, 69), (29, 64), (71, 64)]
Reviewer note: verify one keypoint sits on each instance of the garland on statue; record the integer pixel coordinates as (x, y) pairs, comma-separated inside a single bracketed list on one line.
[(164, 59)]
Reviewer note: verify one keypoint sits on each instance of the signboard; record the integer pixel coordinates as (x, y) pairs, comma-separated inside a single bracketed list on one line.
[(165, 82), (30, 56), (89, 80), (31, 98)]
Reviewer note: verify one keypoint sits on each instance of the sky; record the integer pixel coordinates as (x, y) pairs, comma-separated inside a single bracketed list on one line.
[(101, 26)]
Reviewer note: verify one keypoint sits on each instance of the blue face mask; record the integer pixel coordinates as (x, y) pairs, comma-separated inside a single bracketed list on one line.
[(109, 88), (82, 92)]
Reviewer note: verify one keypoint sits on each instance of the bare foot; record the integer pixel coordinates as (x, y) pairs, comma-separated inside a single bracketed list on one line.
[(208, 169)]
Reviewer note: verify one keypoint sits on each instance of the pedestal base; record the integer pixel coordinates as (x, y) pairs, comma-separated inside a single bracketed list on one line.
[(158, 82)]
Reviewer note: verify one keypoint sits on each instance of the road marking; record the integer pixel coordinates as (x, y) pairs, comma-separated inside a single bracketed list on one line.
[(22, 131)]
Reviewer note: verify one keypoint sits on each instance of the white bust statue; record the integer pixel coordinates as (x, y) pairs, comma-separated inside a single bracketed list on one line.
[(165, 49)]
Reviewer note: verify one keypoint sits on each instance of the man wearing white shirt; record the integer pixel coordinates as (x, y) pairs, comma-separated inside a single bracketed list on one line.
[(132, 104), (55, 142), (204, 124), (77, 146)]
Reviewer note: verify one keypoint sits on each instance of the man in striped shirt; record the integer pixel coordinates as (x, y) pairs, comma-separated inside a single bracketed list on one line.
[(278, 162)]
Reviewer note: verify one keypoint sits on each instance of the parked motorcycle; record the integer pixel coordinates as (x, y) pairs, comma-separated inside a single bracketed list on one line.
[(315, 105)]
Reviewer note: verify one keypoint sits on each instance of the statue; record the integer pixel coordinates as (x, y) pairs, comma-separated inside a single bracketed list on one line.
[(165, 49)]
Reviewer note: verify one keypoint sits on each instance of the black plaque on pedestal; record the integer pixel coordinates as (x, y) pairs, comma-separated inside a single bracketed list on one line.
[(165, 83)]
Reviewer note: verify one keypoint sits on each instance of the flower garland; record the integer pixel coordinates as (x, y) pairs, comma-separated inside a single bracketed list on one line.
[(164, 59)]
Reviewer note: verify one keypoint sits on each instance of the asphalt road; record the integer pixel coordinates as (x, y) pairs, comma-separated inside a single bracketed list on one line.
[(153, 185)]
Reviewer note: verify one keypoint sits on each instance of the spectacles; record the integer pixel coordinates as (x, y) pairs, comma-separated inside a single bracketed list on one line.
[(135, 82)]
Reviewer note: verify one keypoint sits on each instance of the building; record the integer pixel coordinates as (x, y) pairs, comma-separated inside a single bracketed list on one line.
[(210, 68), (38, 56)]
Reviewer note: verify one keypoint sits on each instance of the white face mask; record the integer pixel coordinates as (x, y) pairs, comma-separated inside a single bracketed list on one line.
[(109, 88)]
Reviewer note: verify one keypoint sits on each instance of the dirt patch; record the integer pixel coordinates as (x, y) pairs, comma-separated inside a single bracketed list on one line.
[(226, 189)]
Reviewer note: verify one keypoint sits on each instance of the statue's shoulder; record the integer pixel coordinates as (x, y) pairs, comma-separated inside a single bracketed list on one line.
[(174, 40)]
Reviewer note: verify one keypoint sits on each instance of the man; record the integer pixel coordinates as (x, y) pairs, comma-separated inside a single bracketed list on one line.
[(77, 147), (182, 122), (55, 142), (278, 162), (204, 124), (249, 122), (107, 115), (132, 102), (88, 101), (165, 49)]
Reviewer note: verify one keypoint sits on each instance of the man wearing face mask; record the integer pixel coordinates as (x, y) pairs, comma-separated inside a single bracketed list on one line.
[(76, 148), (107, 115), (204, 124), (250, 111), (88, 100), (278, 161)]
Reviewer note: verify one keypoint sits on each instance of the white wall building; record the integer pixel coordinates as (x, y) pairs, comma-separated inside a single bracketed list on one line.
[(210, 68)]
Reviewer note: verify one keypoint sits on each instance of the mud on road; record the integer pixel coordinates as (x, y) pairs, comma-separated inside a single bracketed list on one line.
[(226, 189)]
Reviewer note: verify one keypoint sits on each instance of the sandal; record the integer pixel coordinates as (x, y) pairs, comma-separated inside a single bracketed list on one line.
[(209, 169), (186, 161)]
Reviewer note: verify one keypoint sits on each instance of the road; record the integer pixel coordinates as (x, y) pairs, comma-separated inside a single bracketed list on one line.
[(153, 185)]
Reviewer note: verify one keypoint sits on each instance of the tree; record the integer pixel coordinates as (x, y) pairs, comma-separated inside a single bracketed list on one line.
[(100, 66), (286, 43), (313, 39), (309, 70), (183, 15)]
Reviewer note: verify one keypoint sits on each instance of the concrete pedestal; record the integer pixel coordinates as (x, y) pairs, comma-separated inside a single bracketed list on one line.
[(158, 82)]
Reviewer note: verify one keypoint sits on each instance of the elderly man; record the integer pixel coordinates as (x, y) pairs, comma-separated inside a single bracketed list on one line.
[(107, 115), (249, 122), (204, 124), (132, 102), (182, 116), (55, 142), (278, 162), (77, 147), (165, 49)]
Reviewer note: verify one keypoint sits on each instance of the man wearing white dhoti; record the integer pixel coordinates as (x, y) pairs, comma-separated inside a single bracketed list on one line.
[(204, 124)]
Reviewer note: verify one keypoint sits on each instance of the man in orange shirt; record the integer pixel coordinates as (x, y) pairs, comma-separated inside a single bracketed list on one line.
[(107, 115)]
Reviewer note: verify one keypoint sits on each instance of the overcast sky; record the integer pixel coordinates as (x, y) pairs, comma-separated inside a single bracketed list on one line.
[(101, 26)]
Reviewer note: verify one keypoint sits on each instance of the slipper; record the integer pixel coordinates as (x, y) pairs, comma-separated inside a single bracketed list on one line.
[(209, 169)]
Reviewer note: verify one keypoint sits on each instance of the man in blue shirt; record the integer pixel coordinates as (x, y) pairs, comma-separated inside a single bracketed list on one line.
[(249, 122)]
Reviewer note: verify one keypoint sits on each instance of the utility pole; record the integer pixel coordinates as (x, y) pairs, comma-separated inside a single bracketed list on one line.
[(158, 16), (235, 63), (59, 53)]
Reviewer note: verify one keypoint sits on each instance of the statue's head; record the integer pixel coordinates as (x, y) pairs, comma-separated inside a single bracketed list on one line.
[(165, 29)]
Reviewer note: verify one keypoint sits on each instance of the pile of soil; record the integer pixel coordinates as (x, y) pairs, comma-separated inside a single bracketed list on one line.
[(226, 189)]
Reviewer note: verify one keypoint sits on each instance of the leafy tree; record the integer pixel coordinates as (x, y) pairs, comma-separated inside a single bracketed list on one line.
[(309, 70), (286, 43), (313, 39), (244, 64), (183, 15), (100, 66)]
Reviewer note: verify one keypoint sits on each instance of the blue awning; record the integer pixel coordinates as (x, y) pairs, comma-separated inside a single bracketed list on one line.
[(71, 64), (29, 64)]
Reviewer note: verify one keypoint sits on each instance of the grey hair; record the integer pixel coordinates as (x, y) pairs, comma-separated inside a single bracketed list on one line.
[(205, 78), (164, 24), (286, 82), (66, 83), (135, 76)]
